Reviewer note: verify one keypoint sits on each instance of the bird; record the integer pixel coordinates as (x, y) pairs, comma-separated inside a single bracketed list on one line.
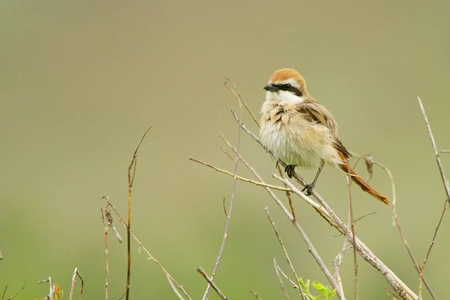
[(300, 131)]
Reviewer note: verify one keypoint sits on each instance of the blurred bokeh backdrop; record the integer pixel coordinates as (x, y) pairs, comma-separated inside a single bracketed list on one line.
[(81, 80)]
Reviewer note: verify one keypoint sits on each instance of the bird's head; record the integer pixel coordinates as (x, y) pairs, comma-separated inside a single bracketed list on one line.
[(286, 85)]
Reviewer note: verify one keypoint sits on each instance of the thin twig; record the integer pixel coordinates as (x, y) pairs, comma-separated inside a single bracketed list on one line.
[(151, 257), (105, 230), (13, 296), (286, 255), (337, 262), (288, 193), (74, 280), (444, 181), (211, 283), (51, 286), (255, 294), (427, 256), (277, 271), (274, 187), (4, 292), (238, 96), (294, 285), (436, 152), (174, 288), (352, 227), (233, 196), (131, 176)]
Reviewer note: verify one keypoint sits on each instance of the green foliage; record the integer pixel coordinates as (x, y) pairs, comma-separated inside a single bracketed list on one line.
[(326, 292)]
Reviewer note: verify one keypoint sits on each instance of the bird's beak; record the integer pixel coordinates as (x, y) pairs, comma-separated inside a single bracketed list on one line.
[(271, 88)]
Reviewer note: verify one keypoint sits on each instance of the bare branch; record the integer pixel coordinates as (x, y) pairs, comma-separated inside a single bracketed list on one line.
[(233, 196), (151, 257), (352, 227), (238, 96), (255, 294), (4, 292), (13, 296), (131, 175), (174, 288), (51, 286), (105, 230), (337, 262), (277, 271), (436, 152), (274, 187), (211, 283), (288, 259), (74, 280)]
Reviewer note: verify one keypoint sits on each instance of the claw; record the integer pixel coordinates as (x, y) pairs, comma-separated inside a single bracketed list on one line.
[(289, 170), (308, 189)]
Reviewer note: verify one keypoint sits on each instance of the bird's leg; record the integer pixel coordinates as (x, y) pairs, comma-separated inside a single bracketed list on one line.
[(289, 170), (309, 187)]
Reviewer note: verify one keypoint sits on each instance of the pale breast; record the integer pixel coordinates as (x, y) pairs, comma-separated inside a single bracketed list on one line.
[(294, 139)]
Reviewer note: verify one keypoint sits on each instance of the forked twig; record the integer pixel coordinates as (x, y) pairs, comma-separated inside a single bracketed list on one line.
[(13, 296), (211, 283), (74, 280), (105, 230), (131, 175), (238, 96), (277, 271), (174, 288), (286, 255), (445, 183), (274, 187)]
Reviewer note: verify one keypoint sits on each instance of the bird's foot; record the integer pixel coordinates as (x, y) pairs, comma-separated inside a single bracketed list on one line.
[(308, 189), (289, 170)]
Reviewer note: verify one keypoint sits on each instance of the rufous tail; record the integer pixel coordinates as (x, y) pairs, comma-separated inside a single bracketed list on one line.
[(362, 184)]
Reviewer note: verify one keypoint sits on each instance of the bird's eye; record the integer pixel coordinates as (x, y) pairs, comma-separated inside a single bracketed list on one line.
[(287, 85)]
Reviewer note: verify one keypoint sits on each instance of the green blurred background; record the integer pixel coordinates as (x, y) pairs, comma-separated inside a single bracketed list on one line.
[(81, 80)]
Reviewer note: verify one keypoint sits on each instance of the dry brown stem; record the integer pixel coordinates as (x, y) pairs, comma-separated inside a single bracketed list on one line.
[(144, 248), (13, 296), (74, 280), (131, 176)]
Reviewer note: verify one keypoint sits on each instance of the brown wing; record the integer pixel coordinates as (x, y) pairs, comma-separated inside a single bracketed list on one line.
[(315, 112)]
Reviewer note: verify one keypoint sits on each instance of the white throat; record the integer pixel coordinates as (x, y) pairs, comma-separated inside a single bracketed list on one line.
[(283, 97)]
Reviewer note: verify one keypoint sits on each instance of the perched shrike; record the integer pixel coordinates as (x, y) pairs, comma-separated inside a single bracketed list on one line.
[(301, 132)]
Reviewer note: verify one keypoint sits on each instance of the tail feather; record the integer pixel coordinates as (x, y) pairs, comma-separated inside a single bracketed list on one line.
[(362, 184)]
